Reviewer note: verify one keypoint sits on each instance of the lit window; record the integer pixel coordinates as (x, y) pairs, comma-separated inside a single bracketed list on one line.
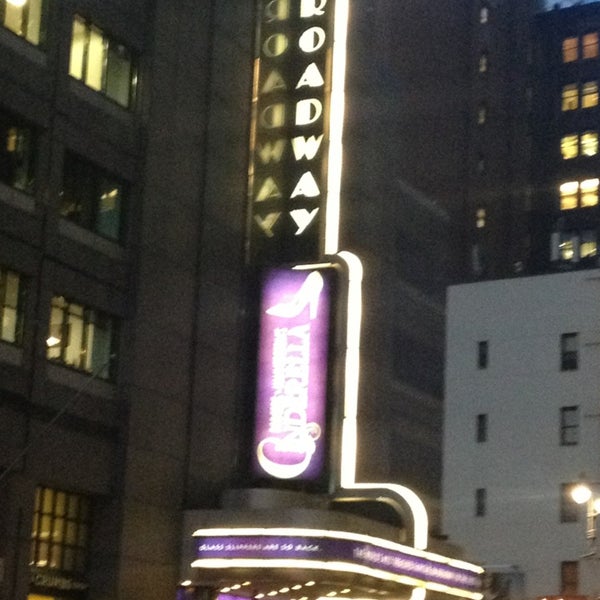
[(484, 14), (570, 97), (17, 152), (569, 351), (60, 530), (589, 143), (567, 247), (589, 45), (101, 63), (11, 306), (23, 17), (480, 218), (589, 192), (480, 502), (588, 246), (569, 49), (568, 195), (569, 425), (569, 146), (91, 197), (482, 428), (481, 114), (569, 509), (589, 94), (81, 338), (483, 62)]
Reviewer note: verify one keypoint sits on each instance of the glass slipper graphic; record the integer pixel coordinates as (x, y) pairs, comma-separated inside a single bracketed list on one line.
[(307, 295)]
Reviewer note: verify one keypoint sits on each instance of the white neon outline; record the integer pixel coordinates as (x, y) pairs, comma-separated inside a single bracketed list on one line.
[(420, 585), (336, 127), (349, 426)]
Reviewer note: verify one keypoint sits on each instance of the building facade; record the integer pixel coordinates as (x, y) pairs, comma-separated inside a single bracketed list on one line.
[(124, 361), (521, 429)]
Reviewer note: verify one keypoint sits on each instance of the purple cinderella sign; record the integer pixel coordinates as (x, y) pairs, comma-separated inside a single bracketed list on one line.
[(289, 427)]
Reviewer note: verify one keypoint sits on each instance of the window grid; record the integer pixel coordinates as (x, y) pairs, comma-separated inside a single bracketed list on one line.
[(569, 350), (102, 63), (480, 502), (81, 338), (482, 428), (589, 45), (482, 354), (60, 530), (11, 307), (18, 142), (573, 145), (569, 425), (578, 194)]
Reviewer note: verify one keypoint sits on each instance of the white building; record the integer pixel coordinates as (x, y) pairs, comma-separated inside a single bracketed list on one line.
[(522, 425)]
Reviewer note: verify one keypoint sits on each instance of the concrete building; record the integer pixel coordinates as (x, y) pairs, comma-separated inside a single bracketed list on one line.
[(521, 429)]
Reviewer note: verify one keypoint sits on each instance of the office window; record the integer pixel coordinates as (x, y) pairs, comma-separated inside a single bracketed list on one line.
[(483, 62), (480, 502), (482, 354), (18, 142), (101, 63), (482, 428), (569, 146), (574, 194), (570, 49), (81, 337), (589, 143), (11, 306), (23, 17), (576, 245), (570, 97), (484, 15), (480, 217), (481, 114), (569, 578), (91, 197), (588, 245), (569, 425), (589, 45), (589, 94), (60, 530), (569, 349), (569, 509)]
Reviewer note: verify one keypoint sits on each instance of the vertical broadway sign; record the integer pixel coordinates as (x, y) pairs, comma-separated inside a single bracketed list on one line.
[(290, 137), (291, 402)]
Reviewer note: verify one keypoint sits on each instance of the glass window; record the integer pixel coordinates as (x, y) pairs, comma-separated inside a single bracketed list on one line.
[(569, 509), (483, 62), (484, 15), (480, 502), (589, 45), (589, 94), (480, 217), (481, 114), (81, 338), (569, 425), (91, 197), (23, 17), (588, 247), (101, 63), (589, 192), (482, 354), (59, 534), (569, 49), (569, 146), (18, 143), (482, 428), (11, 306), (569, 350), (568, 195), (589, 143), (570, 97), (567, 246)]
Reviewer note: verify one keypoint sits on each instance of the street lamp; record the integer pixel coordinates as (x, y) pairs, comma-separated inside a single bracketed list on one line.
[(582, 494)]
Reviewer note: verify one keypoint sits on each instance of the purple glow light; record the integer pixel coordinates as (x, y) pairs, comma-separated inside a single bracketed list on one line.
[(289, 427)]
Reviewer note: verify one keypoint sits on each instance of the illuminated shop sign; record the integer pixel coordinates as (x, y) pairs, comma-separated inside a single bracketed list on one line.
[(342, 551), (289, 426), (290, 137)]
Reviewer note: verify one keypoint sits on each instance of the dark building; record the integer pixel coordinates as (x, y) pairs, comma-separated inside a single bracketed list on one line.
[(124, 361)]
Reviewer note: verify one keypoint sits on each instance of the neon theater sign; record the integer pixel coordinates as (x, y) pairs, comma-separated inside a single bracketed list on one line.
[(291, 133)]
